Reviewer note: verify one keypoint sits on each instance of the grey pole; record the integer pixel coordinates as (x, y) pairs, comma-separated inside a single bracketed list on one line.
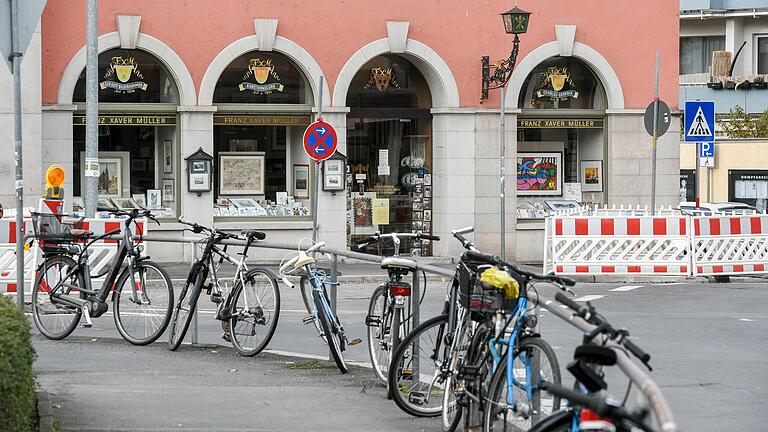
[(19, 186), (91, 191), (316, 192), (655, 133), (503, 149)]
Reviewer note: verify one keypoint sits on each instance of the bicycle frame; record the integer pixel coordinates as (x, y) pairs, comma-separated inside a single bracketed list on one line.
[(126, 248)]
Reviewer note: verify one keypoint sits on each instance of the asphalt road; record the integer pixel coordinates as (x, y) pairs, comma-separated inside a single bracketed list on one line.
[(707, 342)]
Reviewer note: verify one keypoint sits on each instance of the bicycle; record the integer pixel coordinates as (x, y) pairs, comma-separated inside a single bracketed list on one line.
[(458, 345), (602, 345), (251, 309), (142, 292), (389, 314), (321, 314)]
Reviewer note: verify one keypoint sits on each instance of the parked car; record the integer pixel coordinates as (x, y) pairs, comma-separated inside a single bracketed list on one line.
[(710, 209)]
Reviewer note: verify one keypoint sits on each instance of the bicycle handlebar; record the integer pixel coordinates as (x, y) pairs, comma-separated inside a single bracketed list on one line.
[(593, 318), (476, 255), (377, 237), (132, 214), (598, 405)]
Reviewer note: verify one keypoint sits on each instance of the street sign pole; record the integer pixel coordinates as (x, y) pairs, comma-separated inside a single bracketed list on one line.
[(19, 185), (503, 149), (697, 149), (316, 192), (655, 136), (91, 110)]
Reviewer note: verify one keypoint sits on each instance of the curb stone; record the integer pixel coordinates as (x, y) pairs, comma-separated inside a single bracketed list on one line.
[(44, 412)]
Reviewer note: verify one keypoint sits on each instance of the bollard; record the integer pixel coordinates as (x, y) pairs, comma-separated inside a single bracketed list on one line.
[(194, 316), (333, 286)]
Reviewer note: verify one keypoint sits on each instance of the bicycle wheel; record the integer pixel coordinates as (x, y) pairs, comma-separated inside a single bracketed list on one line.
[(185, 309), (306, 293), (455, 384), (481, 361), (330, 330), (254, 309), (143, 322), (378, 319), (53, 319), (416, 380), (530, 404)]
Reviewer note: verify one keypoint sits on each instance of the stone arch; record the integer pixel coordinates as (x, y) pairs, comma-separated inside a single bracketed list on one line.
[(599, 65), (300, 57), (145, 42), (442, 84)]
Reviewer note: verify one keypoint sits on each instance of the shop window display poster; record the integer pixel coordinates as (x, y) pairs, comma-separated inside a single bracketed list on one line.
[(380, 212)]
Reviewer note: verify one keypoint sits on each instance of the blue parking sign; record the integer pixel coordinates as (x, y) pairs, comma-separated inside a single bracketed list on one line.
[(699, 121)]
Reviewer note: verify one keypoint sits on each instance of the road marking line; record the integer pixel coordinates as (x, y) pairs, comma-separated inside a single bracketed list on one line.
[(315, 357), (746, 319), (587, 298), (626, 288)]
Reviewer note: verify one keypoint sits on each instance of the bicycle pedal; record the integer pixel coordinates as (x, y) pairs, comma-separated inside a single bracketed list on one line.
[(217, 298), (468, 372), (406, 375), (308, 319), (355, 341), (372, 320)]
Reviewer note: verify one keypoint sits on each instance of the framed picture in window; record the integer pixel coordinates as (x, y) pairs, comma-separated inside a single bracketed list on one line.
[(540, 173), (592, 176), (125, 203), (301, 181), (168, 157), (154, 199), (168, 190), (114, 173), (241, 173), (141, 200)]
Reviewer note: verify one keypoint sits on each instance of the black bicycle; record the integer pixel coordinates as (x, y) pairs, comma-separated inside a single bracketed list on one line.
[(142, 292), (249, 311)]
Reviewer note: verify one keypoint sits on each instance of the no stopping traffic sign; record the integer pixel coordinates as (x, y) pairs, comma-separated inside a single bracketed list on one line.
[(320, 140)]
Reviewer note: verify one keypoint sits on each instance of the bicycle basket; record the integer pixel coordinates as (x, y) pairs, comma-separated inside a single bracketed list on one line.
[(478, 295), (55, 227)]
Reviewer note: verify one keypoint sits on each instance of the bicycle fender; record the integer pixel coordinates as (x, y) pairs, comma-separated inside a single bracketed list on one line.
[(560, 418), (267, 270)]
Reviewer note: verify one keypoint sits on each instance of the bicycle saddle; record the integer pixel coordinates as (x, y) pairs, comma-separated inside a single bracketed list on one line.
[(255, 234), (303, 260), (80, 233), (397, 262)]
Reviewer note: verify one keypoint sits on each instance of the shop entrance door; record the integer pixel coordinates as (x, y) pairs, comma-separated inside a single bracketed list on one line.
[(390, 179)]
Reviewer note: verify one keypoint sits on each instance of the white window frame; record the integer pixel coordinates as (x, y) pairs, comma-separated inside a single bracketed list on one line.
[(756, 52)]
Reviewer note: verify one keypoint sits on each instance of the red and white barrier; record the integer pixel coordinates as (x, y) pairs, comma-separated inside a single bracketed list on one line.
[(656, 245), (101, 252)]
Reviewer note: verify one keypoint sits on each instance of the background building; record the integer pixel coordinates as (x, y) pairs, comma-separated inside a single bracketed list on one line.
[(739, 27), (401, 86)]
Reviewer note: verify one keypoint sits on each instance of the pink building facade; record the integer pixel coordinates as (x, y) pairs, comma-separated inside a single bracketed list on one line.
[(401, 85)]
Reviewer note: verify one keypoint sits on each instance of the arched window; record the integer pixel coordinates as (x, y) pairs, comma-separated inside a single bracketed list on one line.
[(261, 77), (130, 76), (562, 83), (389, 81)]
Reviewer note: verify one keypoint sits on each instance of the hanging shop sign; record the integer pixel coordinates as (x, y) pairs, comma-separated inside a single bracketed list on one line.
[(561, 123), (260, 120), (130, 120), (382, 79), (128, 74), (557, 84), (257, 78)]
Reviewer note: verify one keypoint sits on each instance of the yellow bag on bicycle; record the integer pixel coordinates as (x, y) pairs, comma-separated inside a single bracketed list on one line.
[(502, 281)]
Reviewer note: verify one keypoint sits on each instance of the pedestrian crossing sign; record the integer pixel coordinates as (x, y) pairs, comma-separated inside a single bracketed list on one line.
[(699, 121)]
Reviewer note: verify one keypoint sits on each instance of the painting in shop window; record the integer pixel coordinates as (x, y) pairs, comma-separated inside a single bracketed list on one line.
[(539, 173)]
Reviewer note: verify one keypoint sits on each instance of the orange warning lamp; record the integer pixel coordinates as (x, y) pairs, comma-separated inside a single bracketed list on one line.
[(54, 179)]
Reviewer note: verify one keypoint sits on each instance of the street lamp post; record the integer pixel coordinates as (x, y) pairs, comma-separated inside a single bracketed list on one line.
[(495, 77)]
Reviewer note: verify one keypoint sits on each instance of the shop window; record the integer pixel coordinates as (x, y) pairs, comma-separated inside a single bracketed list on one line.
[(261, 169), (389, 151), (696, 53), (687, 185), (138, 149), (261, 77), (748, 187), (130, 76), (562, 83)]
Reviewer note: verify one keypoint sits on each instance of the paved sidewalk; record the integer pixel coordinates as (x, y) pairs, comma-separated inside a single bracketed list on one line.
[(109, 385)]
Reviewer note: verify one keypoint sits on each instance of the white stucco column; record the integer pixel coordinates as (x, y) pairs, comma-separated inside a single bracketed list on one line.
[(332, 207)]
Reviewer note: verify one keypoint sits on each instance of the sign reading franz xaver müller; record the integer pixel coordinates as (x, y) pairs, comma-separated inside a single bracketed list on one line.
[(130, 119), (260, 120), (560, 123)]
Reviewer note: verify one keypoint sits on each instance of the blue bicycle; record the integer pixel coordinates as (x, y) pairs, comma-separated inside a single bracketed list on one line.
[(321, 313)]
